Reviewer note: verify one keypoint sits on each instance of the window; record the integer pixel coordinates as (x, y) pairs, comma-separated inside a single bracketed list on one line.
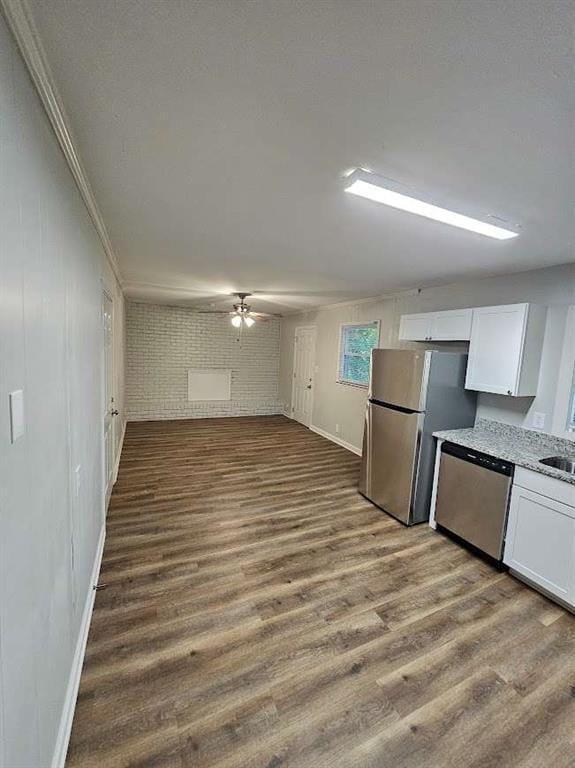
[(571, 414), (564, 406), (355, 345)]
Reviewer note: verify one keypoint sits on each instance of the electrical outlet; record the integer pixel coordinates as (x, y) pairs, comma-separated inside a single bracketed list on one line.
[(337, 429), (539, 420)]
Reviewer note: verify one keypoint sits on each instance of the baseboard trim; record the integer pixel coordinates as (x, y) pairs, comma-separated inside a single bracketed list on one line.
[(335, 439), (120, 446), (189, 417), (67, 718)]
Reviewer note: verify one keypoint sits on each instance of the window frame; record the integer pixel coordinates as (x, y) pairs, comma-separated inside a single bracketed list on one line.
[(565, 392), (366, 323)]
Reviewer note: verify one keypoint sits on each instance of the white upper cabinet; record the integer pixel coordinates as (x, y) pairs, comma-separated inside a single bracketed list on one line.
[(505, 343), (505, 349), (451, 325), (415, 327)]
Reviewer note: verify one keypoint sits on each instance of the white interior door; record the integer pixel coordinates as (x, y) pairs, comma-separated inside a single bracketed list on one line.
[(303, 375), (108, 386)]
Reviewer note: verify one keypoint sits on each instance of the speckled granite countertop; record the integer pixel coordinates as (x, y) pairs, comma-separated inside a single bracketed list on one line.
[(522, 447)]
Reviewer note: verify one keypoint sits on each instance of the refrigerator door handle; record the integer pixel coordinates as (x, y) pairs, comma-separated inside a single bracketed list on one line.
[(368, 449)]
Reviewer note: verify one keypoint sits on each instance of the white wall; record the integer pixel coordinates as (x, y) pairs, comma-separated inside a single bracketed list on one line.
[(340, 404), (163, 342), (52, 270)]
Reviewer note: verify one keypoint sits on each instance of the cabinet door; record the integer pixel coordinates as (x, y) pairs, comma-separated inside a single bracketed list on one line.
[(415, 327), (496, 349), (452, 325), (540, 542)]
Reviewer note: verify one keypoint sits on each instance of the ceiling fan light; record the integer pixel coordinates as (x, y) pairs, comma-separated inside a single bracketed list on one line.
[(236, 321), (249, 321)]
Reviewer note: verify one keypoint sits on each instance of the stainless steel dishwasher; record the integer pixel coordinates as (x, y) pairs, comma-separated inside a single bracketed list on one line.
[(473, 497)]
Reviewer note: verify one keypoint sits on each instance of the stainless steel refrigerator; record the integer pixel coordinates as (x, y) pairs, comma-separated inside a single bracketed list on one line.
[(412, 394)]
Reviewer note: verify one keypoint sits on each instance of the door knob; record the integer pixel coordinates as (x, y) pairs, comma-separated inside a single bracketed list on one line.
[(115, 412), (309, 386)]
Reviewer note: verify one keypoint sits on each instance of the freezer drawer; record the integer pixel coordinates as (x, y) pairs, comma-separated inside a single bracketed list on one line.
[(472, 501), (391, 444)]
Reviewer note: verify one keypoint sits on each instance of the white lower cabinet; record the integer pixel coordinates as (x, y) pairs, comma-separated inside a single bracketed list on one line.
[(540, 542)]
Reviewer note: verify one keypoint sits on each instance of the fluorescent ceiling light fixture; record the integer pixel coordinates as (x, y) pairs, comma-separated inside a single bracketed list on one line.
[(388, 192)]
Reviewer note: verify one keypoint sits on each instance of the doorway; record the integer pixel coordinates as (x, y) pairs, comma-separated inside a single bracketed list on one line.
[(303, 374), (109, 410)]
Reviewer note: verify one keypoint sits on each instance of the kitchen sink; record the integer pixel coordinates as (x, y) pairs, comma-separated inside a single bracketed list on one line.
[(564, 463)]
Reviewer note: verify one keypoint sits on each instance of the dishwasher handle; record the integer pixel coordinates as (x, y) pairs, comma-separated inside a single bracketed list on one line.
[(481, 459)]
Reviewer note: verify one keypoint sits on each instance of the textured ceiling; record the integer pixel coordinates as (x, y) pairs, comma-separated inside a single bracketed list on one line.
[(215, 134)]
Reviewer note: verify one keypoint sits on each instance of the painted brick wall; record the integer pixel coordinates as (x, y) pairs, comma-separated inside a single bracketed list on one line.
[(162, 342)]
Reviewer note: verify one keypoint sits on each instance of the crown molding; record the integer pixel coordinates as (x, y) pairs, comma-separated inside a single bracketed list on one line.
[(357, 302), (130, 284), (133, 285), (20, 20)]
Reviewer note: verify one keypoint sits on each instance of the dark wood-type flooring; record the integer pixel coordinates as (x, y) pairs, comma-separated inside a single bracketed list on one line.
[(256, 612)]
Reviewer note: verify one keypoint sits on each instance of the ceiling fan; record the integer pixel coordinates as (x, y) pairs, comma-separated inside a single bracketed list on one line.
[(242, 315)]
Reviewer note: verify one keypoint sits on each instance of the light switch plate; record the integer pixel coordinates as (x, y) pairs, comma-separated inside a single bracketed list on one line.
[(77, 480), (539, 420), (17, 423)]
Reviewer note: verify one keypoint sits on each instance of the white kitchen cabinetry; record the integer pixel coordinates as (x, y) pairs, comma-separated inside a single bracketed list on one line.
[(415, 327), (451, 325), (505, 349), (540, 542)]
